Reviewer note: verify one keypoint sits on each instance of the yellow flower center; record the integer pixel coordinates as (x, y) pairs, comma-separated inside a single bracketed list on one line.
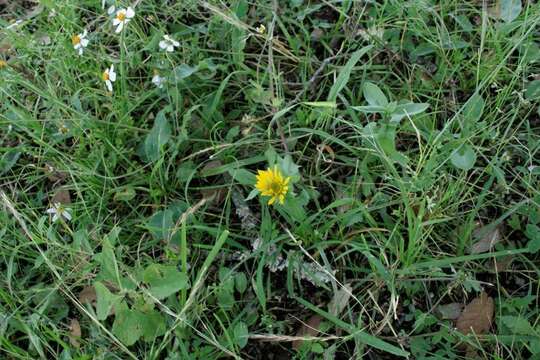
[(75, 40), (3, 64), (121, 16), (272, 183), (105, 76)]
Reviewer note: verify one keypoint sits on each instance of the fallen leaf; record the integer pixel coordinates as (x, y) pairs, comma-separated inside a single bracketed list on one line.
[(208, 169), (486, 239), (308, 329), (500, 265), (340, 300), (88, 295), (53, 174), (449, 311), (477, 315), (61, 196), (74, 332)]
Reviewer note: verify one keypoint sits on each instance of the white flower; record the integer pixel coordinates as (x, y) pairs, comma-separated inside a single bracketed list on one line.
[(261, 29), (80, 41), (123, 16), (158, 80), (109, 76), (168, 43), (110, 10), (58, 211)]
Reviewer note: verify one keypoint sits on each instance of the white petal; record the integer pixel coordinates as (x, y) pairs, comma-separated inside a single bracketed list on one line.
[(162, 44), (84, 42), (112, 76), (77, 46), (51, 211), (81, 51), (130, 12), (176, 43), (170, 48), (55, 217), (116, 22), (66, 215), (83, 35), (120, 27), (110, 11), (109, 85), (111, 68), (167, 37)]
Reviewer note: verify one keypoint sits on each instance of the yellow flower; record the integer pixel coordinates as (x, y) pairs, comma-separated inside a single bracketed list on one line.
[(3, 64), (272, 183)]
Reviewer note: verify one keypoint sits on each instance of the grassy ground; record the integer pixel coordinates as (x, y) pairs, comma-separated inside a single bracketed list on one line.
[(410, 135)]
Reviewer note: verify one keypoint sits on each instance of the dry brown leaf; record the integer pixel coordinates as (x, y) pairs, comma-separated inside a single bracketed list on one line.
[(308, 329), (486, 239), (502, 264), (53, 174), (74, 332), (61, 196), (449, 311), (88, 295), (477, 315)]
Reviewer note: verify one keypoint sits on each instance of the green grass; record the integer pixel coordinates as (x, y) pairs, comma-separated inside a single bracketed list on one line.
[(409, 130)]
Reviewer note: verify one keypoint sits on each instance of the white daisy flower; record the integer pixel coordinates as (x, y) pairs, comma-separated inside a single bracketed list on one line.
[(109, 76), (80, 41), (123, 16), (58, 211), (168, 43), (158, 80)]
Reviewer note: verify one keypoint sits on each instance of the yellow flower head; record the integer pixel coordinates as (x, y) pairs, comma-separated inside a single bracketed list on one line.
[(3, 64), (272, 183)]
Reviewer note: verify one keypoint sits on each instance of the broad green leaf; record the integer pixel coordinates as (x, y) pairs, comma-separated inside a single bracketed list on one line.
[(164, 280), (107, 259), (241, 283), (183, 71), (241, 334), (518, 325), (243, 176), (509, 9), (345, 73), (105, 301), (9, 159), (532, 91), (289, 168), (533, 234), (464, 157), (161, 224), (157, 138), (154, 325), (474, 108), (374, 96), (128, 325)]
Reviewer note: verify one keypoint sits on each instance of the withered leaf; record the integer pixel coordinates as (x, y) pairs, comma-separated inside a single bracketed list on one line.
[(449, 311), (88, 295), (477, 315), (61, 196), (74, 332), (486, 239), (309, 328)]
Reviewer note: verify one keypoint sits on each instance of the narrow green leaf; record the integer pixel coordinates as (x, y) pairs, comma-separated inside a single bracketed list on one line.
[(345, 73)]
